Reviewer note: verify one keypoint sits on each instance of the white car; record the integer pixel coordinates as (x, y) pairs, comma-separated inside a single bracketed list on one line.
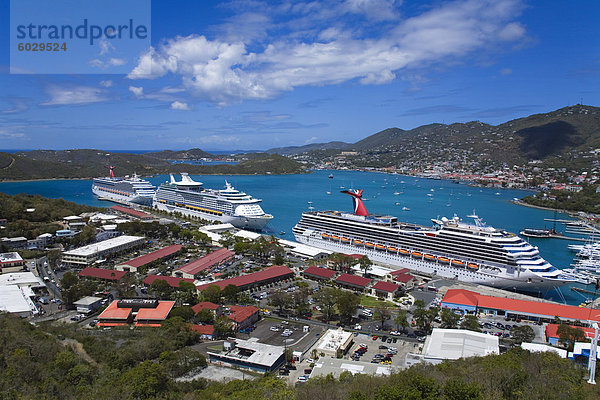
[(302, 378), (274, 329)]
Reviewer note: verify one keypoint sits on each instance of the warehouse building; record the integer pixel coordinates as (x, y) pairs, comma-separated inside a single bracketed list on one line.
[(194, 269), (86, 255), (250, 354), (254, 280)]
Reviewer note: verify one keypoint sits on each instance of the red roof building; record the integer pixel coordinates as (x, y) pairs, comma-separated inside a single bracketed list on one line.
[(171, 280), (524, 309), (318, 273), (209, 261), (255, 279), (138, 311), (101, 273), (400, 271), (385, 287), (205, 331), (205, 305), (243, 316), (353, 281), (146, 259), (552, 335), (131, 212)]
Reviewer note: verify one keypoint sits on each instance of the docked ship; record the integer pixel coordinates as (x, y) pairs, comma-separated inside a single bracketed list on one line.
[(124, 190), (227, 205), (451, 248)]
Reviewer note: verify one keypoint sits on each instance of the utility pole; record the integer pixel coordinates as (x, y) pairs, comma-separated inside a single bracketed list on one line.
[(593, 352)]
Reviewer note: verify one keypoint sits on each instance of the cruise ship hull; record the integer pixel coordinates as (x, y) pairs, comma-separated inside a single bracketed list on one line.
[(120, 198), (255, 223), (524, 281)]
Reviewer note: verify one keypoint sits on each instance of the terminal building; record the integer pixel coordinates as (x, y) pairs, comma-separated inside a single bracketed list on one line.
[(250, 354), (86, 255), (467, 301)]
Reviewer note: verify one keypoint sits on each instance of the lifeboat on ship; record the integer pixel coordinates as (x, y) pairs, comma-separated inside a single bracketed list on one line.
[(325, 236), (458, 263), (369, 244), (416, 254), (358, 242), (444, 260), (379, 246), (429, 257), (473, 266), (404, 252), (392, 249), (346, 240), (334, 237)]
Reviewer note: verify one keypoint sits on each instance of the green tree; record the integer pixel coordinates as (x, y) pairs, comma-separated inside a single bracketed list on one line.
[(205, 316), (326, 298), (449, 319), (423, 317), (185, 312), (146, 380), (280, 299), (230, 292), (401, 320), (161, 289), (470, 323), (347, 303), (459, 390), (523, 333), (568, 335), (365, 264), (187, 293), (223, 327), (381, 313), (212, 293)]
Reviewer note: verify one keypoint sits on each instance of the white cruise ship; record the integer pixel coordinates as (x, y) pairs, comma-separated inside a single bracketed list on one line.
[(227, 205), (124, 190), (450, 248)]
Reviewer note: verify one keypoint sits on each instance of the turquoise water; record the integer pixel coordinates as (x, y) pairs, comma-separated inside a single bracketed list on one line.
[(286, 196)]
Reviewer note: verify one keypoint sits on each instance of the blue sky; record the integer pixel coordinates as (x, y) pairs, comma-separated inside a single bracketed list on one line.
[(255, 75)]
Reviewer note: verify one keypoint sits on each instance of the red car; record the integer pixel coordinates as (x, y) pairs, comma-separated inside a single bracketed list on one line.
[(374, 337)]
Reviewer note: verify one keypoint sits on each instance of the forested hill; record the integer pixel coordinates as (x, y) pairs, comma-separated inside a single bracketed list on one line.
[(63, 362), (558, 133), (84, 163)]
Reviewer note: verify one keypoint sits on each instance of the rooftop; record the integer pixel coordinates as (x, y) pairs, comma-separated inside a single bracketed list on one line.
[(204, 305), (404, 278), (251, 351), (12, 257), (204, 263), (325, 366), (86, 301), (320, 272), (459, 343), (203, 329), (385, 286), (132, 212), (101, 273), (240, 313), (114, 312), (159, 313), (353, 280), (173, 281), (94, 248), (155, 255), (255, 277), (333, 339)]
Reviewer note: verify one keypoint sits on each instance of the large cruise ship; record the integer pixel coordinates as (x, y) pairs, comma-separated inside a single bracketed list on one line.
[(451, 248), (227, 205), (124, 190)]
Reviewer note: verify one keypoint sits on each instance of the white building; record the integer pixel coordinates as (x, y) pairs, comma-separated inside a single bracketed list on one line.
[(334, 340), (452, 344), (86, 255), (16, 293)]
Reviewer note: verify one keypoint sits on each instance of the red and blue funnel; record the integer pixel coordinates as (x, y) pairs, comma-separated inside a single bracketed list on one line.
[(359, 207)]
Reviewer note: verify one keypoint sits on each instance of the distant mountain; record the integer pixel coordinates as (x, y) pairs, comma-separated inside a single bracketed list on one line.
[(551, 135), (192, 154), (291, 150), (85, 163)]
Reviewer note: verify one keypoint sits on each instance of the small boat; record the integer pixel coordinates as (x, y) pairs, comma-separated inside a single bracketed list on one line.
[(345, 240), (392, 249), (325, 236), (537, 233), (396, 193), (330, 176), (379, 246), (416, 254), (405, 209), (473, 266), (403, 252), (396, 203), (282, 232), (429, 257), (443, 259), (327, 192), (458, 263), (369, 244), (334, 237), (358, 242)]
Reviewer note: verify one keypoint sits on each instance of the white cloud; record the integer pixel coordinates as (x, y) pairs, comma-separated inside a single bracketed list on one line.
[(107, 83), (74, 95), (105, 46), (137, 91), (225, 72), (111, 62), (5, 134), (178, 105)]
